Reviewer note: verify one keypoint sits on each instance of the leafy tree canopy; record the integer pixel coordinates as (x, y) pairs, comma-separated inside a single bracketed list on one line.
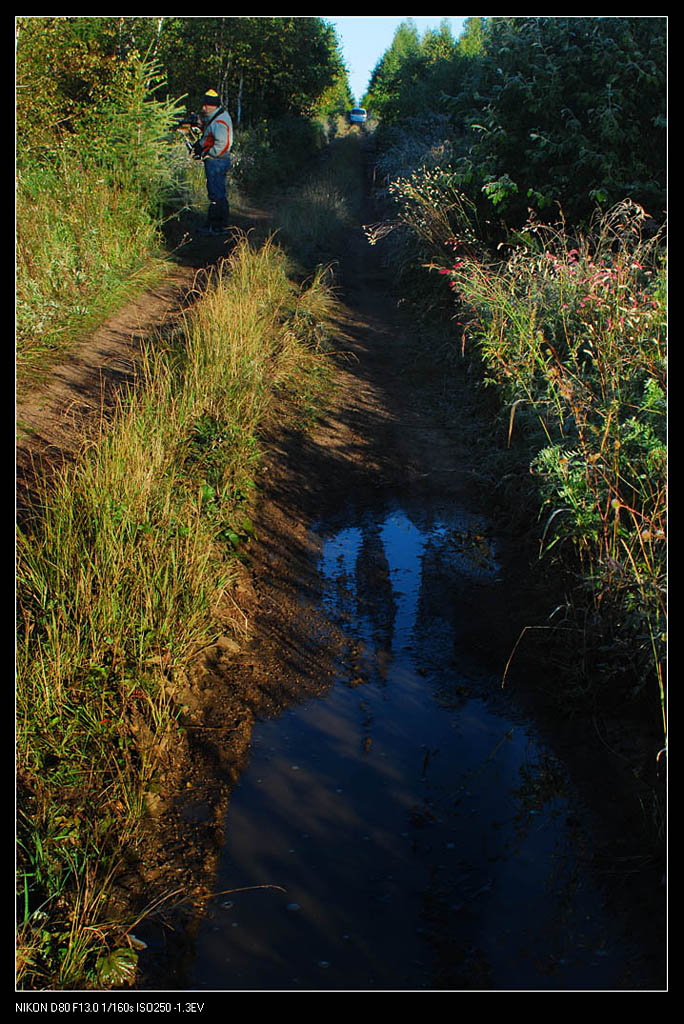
[(400, 83), (263, 67), (543, 111)]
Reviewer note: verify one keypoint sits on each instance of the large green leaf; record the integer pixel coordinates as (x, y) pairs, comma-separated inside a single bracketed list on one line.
[(117, 968)]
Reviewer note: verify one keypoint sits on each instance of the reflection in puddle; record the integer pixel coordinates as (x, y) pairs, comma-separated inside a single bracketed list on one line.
[(404, 833)]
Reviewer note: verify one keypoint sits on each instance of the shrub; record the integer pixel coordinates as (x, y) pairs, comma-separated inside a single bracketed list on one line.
[(575, 332), (88, 214)]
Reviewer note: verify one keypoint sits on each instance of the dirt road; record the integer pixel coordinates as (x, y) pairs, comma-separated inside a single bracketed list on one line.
[(382, 437)]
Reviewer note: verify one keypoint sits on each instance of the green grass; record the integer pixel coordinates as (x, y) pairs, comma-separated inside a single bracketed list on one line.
[(81, 246), (88, 218), (126, 569), (317, 215)]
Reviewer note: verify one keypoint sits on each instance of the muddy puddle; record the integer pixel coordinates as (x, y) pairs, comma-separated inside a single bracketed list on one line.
[(405, 831)]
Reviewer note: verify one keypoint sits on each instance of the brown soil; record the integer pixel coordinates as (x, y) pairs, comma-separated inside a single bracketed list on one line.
[(381, 435)]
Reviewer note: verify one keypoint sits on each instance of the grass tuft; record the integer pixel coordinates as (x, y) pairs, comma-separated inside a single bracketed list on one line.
[(122, 576)]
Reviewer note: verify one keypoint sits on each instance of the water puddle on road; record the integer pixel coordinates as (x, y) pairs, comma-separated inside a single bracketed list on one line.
[(405, 831)]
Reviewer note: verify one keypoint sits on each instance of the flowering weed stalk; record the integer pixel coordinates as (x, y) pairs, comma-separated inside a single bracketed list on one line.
[(574, 332)]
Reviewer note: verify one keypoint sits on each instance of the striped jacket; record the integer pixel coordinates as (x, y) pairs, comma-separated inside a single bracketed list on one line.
[(217, 139)]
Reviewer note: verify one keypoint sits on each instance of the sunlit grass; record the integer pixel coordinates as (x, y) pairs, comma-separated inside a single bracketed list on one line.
[(122, 575), (82, 247)]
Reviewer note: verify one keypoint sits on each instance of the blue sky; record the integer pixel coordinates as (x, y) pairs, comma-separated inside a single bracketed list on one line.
[(365, 38)]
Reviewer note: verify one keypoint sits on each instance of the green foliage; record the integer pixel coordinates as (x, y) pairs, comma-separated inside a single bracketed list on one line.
[(472, 41), (575, 334), (97, 162), (263, 67), (117, 968), (571, 112), (542, 111), (89, 196), (79, 78), (411, 73), (566, 323), (337, 99), (134, 141)]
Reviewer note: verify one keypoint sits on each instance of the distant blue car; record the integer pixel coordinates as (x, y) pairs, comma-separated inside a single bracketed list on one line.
[(357, 116)]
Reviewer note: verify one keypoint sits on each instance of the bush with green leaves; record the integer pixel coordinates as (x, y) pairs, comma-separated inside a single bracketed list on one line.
[(574, 333), (572, 111), (88, 210), (543, 111)]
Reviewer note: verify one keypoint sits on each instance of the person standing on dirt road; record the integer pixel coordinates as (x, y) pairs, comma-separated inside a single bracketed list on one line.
[(214, 149)]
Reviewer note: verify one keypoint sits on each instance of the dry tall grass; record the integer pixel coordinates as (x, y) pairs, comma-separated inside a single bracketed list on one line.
[(124, 571)]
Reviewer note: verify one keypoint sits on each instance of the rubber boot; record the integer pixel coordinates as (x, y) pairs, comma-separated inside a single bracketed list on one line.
[(215, 217), (222, 215)]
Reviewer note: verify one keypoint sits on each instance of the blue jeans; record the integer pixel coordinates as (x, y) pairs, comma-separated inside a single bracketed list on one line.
[(216, 169)]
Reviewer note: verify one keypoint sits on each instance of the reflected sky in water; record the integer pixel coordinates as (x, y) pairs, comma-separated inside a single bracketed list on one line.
[(401, 832)]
